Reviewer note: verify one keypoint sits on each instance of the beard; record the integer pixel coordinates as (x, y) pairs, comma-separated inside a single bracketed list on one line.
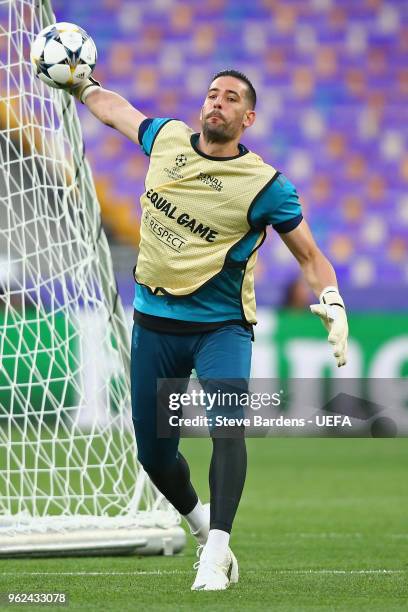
[(219, 133)]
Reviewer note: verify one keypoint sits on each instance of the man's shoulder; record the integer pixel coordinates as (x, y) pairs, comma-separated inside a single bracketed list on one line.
[(277, 205), (173, 123), (260, 164), (158, 127), (281, 191), (171, 127), (282, 185)]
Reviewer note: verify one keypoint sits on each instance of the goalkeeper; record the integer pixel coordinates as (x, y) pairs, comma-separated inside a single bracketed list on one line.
[(207, 203)]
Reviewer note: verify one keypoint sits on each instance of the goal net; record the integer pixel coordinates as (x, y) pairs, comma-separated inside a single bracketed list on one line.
[(69, 478)]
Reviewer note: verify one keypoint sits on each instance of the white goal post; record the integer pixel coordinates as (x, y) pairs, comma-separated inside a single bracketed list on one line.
[(69, 479)]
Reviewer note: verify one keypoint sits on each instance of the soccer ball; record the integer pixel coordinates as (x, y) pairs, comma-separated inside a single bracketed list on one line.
[(63, 55)]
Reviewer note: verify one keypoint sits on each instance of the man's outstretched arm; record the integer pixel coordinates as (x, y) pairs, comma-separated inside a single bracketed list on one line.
[(321, 278), (110, 108), (316, 268)]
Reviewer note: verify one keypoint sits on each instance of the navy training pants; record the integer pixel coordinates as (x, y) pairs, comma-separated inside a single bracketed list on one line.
[(221, 354)]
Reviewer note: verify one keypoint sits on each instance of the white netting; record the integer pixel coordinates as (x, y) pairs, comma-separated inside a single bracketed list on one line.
[(66, 442)]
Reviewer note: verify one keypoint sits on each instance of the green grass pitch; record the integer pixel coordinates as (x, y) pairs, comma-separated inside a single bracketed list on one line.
[(323, 525)]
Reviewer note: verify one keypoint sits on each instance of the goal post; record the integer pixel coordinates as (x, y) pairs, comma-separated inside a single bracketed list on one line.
[(70, 482)]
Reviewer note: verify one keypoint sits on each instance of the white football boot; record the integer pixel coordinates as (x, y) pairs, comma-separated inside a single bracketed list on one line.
[(215, 574)]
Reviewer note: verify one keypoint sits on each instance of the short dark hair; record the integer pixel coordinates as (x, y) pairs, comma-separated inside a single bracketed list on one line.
[(251, 93)]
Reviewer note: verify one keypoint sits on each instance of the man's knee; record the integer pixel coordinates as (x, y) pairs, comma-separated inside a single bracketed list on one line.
[(153, 453), (147, 460), (155, 464)]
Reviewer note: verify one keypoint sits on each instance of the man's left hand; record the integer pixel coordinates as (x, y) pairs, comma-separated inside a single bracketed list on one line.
[(332, 313)]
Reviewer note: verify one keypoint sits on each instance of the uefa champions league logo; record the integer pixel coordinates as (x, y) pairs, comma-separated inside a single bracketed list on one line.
[(173, 172), (181, 160)]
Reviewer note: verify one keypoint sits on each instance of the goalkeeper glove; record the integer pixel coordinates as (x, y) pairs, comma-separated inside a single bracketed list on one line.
[(82, 90), (332, 313)]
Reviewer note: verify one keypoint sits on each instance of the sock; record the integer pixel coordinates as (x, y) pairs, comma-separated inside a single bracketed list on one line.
[(227, 478), (217, 543), (198, 521)]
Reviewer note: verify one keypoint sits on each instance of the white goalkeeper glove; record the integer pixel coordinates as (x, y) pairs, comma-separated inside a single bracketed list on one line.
[(82, 90), (332, 313)]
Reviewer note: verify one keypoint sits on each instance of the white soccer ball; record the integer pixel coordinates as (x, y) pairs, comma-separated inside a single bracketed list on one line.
[(63, 55)]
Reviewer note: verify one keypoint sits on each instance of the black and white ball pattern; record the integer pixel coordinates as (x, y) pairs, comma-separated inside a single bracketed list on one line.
[(63, 55)]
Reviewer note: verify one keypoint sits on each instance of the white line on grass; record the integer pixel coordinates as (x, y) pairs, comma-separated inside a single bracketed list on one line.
[(172, 572), (331, 535), (323, 536), (339, 534)]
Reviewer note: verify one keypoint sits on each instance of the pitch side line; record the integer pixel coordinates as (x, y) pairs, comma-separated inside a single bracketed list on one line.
[(338, 534), (172, 572)]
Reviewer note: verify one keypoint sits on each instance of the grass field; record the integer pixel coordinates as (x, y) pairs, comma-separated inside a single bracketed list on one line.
[(323, 525)]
